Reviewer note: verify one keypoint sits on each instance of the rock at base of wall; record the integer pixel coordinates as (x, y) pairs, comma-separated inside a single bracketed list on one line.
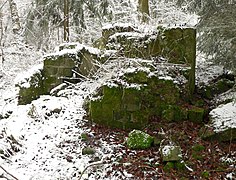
[(222, 126)]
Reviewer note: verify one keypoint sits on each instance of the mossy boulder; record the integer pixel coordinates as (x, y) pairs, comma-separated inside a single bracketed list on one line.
[(139, 140)]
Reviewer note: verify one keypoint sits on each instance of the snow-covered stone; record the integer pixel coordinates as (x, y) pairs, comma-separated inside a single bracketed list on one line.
[(222, 124), (171, 152)]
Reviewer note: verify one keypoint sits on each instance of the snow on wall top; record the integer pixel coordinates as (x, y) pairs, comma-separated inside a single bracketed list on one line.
[(128, 35), (73, 49), (117, 25)]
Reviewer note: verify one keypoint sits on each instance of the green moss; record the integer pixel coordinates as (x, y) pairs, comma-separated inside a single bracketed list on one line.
[(130, 107), (169, 166), (197, 151), (180, 166), (196, 114), (139, 77), (88, 151), (205, 174), (139, 140), (84, 137), (174, 113), (28, 94)]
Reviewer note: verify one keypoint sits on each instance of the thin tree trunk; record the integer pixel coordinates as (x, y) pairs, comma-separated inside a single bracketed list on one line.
[(143, 7), (14, 16), (66, 20), (1, 43)]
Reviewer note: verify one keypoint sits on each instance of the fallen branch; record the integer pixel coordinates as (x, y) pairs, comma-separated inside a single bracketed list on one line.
[(8, 173), (90, 165)]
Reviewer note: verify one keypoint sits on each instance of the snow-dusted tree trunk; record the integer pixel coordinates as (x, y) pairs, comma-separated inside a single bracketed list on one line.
[(143, 7), (66, 20), (14, 16), (1, 44)]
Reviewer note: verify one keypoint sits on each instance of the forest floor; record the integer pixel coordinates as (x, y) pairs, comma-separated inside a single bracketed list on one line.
[(202, 159)]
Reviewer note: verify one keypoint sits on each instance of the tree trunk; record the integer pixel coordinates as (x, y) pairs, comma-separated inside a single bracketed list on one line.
[(143, 7), (14, 16), (66, 20), (1, 44)]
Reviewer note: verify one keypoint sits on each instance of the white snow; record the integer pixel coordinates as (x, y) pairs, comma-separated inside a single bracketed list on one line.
[(117, 25), (167, 149), (73, 51), (223, 117), (23, 78)]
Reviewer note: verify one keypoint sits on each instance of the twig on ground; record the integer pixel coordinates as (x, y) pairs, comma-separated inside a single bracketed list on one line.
[(8, 173), (90, 165)]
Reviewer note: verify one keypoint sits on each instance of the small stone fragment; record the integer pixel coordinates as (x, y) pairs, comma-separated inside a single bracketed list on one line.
[(171, 153), (88, 151), (139, 140)]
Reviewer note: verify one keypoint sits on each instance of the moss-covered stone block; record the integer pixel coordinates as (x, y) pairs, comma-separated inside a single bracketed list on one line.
[(139, 140), (171, 153), (196, 114), (174, 113), (119, 107), (30, 88), (131, 108)]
